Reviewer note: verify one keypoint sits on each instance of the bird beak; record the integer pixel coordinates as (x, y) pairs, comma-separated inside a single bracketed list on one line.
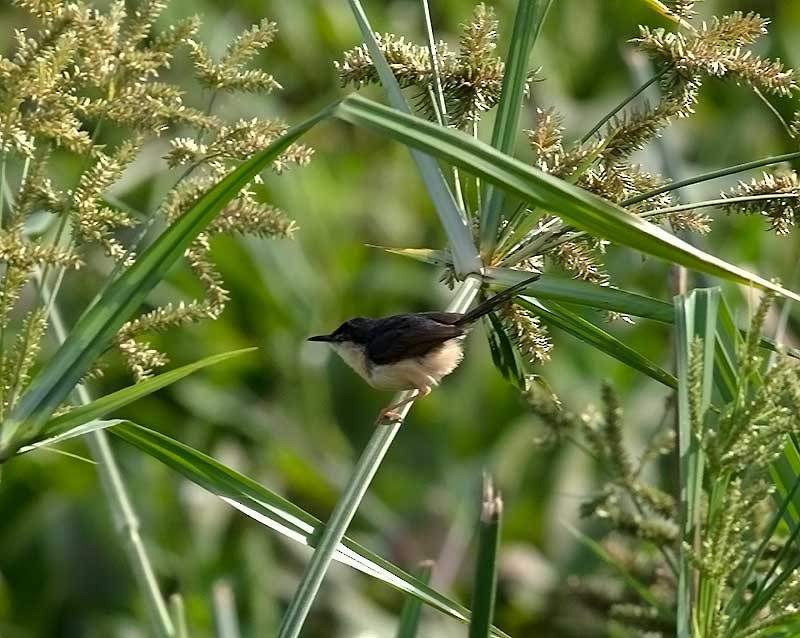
[(321, 338)]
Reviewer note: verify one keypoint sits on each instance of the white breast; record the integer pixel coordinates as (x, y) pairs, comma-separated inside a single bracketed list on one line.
[(355, 356), (410, 374), (419, 372)]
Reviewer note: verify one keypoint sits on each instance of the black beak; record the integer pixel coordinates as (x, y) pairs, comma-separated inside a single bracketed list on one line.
[(322, 338)]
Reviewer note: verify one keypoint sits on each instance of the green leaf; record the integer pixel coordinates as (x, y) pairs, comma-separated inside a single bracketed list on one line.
[(454, 222), (585, 293), (77, 417), (695, 316), (577, 326), (528, 23), (64, 435), (412, 607), (485, 582), (582, 209), (504, 355), (97, 326), (278, 514)]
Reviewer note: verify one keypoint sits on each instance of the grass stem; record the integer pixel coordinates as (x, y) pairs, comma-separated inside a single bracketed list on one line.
[(412, 607), (485, 583), (437, 99), (622, 105), (351, 498), (705, 177), (126, 522)]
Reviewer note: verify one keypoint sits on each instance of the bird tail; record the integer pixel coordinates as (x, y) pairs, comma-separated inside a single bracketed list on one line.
[(494, 302)]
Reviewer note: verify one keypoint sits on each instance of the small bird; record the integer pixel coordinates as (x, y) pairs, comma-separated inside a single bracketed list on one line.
[(411, 351)]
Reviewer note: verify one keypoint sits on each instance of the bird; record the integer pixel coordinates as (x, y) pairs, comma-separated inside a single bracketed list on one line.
[(411, 351)]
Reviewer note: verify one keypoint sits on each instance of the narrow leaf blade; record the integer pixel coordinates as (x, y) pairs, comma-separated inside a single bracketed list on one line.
[(465, 254), (83, 414), (99, 323), (587, 332), (279, 514), (582, 209), (528, 21)]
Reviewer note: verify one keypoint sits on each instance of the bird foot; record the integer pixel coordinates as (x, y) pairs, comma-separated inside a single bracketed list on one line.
[(389, 415)]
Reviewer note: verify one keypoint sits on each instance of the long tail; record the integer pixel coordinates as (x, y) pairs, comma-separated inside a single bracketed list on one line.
[(494, 302)]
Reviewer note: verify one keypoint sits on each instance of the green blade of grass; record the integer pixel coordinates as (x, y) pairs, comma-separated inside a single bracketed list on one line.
[(695, 316), (68, 423), (586, 331), (485, 581), (96, 327), (412, 607), (63, 435), (504, 355), (576, 206), (584, 293), (564, 289), (528, 21), (279, 514), (465, 255)]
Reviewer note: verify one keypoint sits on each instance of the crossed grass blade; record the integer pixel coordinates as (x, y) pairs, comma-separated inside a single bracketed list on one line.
[(279, 514), (586, 331), (528, 22), (465, 255), (99, 323), (83, 418), (576, 206)]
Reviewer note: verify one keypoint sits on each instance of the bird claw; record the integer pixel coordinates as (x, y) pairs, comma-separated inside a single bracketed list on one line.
[(389, 415)]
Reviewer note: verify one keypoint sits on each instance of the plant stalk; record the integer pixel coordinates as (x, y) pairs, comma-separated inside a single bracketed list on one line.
[(704, 177), (485, 582), (354, 492), (439, 106), (622, 105), (126, 521)]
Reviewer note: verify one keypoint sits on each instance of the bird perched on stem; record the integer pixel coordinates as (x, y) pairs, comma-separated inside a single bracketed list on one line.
[(411, 351)]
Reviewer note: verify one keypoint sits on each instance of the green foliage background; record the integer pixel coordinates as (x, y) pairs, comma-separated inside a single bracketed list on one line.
[(294, 418)]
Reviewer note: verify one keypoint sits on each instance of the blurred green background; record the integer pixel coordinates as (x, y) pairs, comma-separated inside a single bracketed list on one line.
[(295, 418)]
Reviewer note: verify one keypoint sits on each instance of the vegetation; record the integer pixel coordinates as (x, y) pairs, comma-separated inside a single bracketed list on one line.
[(138, 162)]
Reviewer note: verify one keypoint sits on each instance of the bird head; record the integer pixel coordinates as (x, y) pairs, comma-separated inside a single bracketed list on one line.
[(352, 331)]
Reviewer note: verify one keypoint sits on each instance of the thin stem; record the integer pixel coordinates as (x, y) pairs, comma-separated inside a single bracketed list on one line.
[(437, 99), (722, 201), (478, 204), (622, 105), (773, 110), (485, 581), (437, 80), (722, 172), (125, 519), (351, 498)]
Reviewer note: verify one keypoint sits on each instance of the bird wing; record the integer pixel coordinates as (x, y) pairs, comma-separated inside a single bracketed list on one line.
[(411, 335)]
